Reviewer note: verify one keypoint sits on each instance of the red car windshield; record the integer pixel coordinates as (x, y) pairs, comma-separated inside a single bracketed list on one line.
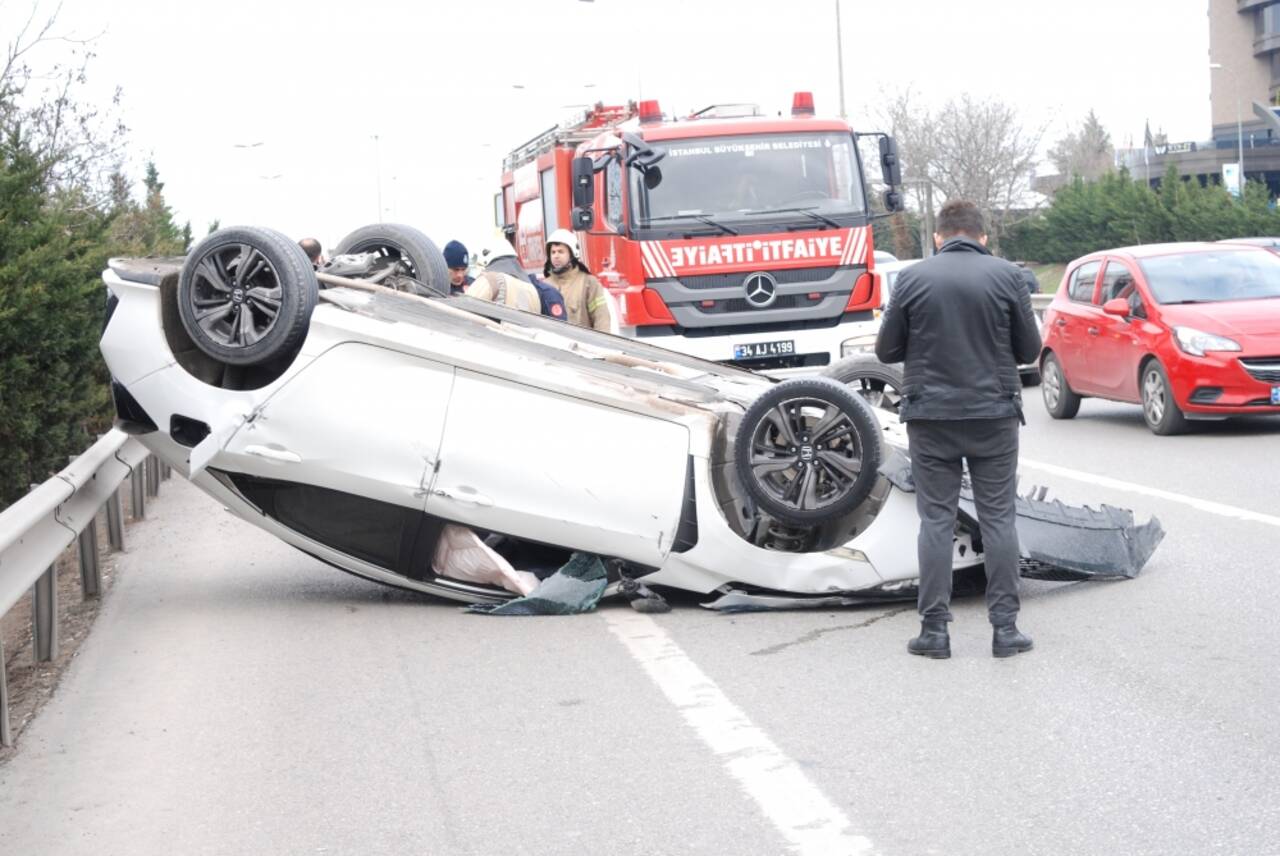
[(1213, 277)]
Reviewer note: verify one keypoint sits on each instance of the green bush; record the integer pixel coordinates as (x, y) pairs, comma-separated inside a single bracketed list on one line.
[(1118, 211), (53, 392)]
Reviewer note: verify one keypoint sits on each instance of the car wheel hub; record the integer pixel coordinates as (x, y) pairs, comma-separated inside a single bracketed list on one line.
[(1052, 385), (806, 453), (1153, 395), (236, 295)]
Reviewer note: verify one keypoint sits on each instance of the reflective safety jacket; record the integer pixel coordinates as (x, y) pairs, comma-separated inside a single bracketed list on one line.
[(507, 290), (584, 297)]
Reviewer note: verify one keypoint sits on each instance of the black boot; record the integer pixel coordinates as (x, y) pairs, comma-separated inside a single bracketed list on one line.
[(933, 641), (1007, 640)]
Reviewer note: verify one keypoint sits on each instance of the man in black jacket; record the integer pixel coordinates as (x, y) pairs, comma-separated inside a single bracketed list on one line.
[(961, 322)]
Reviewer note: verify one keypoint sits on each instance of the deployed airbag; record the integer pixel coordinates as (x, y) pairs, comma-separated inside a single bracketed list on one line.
[(461, 555)]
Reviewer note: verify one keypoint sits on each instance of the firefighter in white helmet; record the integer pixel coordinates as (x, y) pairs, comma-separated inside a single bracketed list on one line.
[(502, 281), (584, 297)]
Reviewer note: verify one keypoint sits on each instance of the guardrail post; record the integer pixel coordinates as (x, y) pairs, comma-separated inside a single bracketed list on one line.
[(6, 737), (115, 521), (90, 572), (44, 615), (153, 476), (139, 495)]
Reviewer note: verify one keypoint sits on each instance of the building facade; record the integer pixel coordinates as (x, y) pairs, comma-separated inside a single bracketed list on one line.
[(1244, 69), (1244, 39)]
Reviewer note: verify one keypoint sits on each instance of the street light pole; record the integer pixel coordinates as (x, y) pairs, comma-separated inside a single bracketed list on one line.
[(840, 60), (1235, 81), (377, 172)]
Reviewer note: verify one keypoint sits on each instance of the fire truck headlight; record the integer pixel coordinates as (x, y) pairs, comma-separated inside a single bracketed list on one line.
[(864, 344)]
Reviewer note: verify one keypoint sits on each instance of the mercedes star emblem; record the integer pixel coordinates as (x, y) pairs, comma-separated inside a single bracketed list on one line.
[(761, 289)]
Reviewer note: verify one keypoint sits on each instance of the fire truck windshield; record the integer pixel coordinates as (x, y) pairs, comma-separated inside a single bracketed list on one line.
[(751, 183)]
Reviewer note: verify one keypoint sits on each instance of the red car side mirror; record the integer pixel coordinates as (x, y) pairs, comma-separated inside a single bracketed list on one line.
[(1117, 306)]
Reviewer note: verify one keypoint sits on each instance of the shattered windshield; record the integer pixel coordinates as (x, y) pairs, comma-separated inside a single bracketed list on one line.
[(750, 183), (1211, 277)]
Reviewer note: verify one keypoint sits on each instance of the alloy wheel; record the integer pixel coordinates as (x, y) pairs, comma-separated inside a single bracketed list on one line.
[(235, 296), (806, 453), (1052, 384), (1154, 397)]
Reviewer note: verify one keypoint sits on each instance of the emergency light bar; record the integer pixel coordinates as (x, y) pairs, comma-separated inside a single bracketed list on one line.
[(650, 112), (802, 104)]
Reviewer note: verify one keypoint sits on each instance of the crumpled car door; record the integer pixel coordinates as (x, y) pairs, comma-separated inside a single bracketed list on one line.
[(560, 470), (361, 420)]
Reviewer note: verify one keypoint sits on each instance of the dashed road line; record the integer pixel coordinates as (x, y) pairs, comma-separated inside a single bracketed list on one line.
[(810, 823)]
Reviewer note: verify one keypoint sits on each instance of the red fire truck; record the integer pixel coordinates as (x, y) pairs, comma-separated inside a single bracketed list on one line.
[(727, 234)]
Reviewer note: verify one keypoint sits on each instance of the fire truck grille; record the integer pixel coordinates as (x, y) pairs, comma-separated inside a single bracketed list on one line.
[(785, 301), (734, 280)]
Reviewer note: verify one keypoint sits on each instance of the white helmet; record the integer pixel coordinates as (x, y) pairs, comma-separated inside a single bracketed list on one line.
[(564, 236), (497, 248)]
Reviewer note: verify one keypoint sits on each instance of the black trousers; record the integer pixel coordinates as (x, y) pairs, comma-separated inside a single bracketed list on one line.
[(938, 450)]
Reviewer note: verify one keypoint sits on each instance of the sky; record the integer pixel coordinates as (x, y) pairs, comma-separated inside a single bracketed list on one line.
[(315, 118)]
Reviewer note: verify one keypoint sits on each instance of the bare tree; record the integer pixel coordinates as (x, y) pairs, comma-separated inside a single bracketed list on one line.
[(970, 149), (81, 145), (1087, 152)]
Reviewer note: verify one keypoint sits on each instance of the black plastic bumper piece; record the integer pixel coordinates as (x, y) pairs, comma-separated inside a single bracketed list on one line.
[(1057, 541), (130, 417), (1068, 542)]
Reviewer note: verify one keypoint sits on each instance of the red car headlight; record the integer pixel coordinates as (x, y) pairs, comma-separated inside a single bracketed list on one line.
[(1196, 342)]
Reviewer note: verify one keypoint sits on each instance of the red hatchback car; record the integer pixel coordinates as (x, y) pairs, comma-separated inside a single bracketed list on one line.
[(1189, 331)]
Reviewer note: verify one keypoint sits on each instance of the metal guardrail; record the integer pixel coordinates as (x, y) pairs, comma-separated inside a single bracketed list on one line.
[(1040, 302), (37, 528)]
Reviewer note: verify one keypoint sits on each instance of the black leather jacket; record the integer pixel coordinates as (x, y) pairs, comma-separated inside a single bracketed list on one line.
[(961, 322)]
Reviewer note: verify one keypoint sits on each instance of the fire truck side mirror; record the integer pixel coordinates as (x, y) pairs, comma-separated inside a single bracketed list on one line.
[(584, 189), (583, 218), (892, 201), (890, 165)]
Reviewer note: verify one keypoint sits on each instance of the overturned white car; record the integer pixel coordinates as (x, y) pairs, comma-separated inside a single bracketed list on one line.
[(361, 424)]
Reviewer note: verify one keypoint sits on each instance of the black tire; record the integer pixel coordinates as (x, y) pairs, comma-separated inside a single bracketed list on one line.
[(879, 384), (245, 295), (416, 255), (1159, 410), (796, 475), (1059, 399)]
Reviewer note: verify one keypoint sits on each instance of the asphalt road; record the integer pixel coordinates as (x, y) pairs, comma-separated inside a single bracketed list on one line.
[(239, 697)]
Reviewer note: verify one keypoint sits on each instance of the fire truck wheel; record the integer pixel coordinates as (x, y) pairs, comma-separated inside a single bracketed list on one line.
[(879, 384), (808, 450), (245, 295), (414, 258)]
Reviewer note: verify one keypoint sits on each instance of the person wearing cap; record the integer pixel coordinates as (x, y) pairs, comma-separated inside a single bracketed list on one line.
[(499, 284), (457, 259), (584, 297)]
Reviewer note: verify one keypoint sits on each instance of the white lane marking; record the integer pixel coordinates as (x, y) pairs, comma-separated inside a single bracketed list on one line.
[(1218, 508), (810, 823)]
